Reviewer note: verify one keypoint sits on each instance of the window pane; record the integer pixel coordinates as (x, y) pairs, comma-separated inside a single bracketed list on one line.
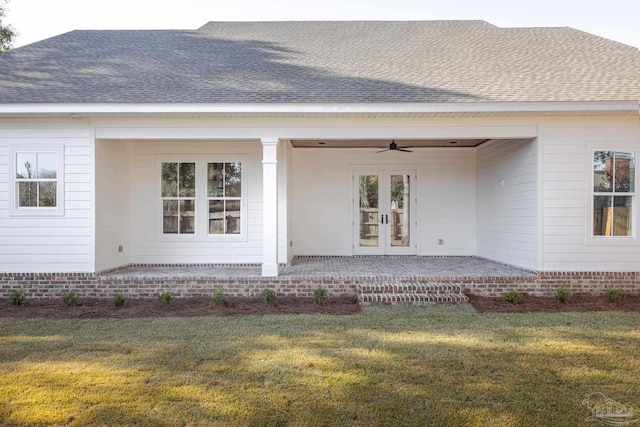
[(169, 180), (26, 165), (47, 165), (602, 171), (216, 217), (624, 171), (187, 181), (232, 216), (187, 217), (214, 180), (27, 194), (47, 194), (622, 215), (170, 216), (232, 187)]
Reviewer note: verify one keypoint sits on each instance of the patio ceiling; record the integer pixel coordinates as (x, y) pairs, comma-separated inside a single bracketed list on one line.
[(384, 143)]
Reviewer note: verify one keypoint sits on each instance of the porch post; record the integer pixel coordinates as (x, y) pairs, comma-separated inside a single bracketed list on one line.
[(269, 207)]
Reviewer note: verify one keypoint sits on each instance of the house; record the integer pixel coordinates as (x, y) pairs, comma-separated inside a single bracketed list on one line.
[(254, 142)]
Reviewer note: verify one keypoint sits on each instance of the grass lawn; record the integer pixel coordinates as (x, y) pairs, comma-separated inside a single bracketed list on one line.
[(440, 365)]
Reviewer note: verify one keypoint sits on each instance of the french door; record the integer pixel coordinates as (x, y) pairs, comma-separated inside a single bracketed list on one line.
[(384, 212)]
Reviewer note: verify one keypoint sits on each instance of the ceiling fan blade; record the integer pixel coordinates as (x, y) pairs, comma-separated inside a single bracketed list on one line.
[(403, 149), (382, 151)]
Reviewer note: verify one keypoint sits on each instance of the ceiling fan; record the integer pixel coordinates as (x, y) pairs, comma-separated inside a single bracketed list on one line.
[(394, 147)]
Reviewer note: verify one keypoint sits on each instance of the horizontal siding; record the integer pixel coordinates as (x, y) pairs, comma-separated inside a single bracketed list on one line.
[(49, 244), (566, 173), (147, 243), (507, 200)]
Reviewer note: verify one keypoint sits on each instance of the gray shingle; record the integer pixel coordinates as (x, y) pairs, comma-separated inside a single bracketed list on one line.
[(322, 62)]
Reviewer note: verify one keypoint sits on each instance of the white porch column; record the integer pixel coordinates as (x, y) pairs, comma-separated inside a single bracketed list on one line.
[(269, 207)]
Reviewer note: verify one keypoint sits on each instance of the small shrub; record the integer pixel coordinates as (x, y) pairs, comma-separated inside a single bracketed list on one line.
[(218, 296), (269, 296), (562, 293), (17, 296), (512, 296), (612, 294), (319, 295), (165, 297), (69, 298), (118, 299)]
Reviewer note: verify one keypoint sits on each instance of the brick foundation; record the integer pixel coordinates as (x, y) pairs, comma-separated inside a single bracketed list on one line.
[(51, 285)]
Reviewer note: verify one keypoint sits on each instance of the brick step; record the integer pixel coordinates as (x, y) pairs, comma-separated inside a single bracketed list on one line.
[(410, 293)]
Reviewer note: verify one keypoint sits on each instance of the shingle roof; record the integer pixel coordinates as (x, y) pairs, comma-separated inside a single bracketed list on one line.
[(322, 62)]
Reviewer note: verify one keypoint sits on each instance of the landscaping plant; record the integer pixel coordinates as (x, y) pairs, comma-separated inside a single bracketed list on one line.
[(218, 296), (165, 297), (562, 293), (69, 298), (319, 295), (269, 296), (612, 294), (512, 296), (17, 296), (118, 299)]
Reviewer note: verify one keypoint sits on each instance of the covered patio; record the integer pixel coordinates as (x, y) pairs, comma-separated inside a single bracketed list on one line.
[(337, 267)]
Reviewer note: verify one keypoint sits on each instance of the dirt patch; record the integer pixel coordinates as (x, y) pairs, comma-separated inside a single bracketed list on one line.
[(528, 304), (179, 307)]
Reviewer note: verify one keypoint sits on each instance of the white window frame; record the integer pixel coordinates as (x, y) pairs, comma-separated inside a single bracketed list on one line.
[(36, 211), (611, 240), (201, 233)]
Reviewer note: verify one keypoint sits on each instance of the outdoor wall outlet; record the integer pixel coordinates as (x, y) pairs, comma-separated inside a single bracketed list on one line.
[(119, 248), (440, 242), (291, 243)]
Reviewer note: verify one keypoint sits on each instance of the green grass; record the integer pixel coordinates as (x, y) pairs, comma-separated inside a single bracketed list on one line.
[(435, 366)]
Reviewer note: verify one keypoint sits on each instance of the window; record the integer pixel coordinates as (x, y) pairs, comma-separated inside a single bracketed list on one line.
[(178, 198), (201, 198), (37, 172), (613, 193), (224, 196)]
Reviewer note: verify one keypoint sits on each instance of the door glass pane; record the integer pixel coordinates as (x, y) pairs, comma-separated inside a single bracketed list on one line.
[(369, 210), (399, 210)]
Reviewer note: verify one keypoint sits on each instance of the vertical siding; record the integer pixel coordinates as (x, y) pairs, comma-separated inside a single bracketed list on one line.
[(566, 190), (112, 203), (50, 244), (147, 246), (507, 193), (323, 190)]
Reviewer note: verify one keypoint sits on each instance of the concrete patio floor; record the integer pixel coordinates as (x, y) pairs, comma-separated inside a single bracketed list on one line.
[(337, 267)]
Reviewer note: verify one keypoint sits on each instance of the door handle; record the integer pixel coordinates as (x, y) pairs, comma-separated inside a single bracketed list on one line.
[(387, 218), (381, 219)]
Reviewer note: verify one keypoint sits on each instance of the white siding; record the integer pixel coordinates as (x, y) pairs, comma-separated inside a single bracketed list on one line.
[(564, 146), (507, 194), (50, 244), (322, 198), (147, 243), (112, 203)]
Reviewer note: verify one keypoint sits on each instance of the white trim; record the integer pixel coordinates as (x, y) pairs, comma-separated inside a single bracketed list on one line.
[(311, 108), (610, 240), (14, 209)]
